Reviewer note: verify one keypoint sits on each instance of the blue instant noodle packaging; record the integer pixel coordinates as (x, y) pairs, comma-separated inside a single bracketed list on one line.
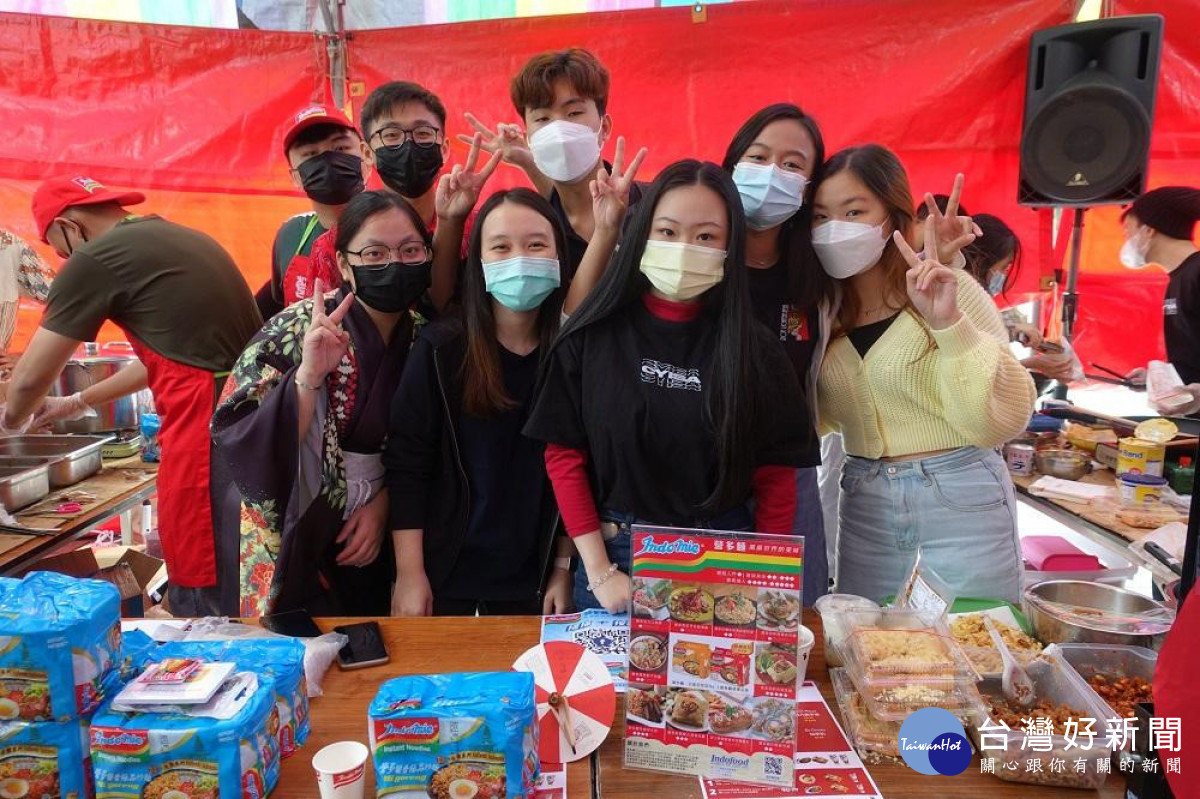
[(45, 759), (60, 640), (445, 736), (183, 755), (281, 659)]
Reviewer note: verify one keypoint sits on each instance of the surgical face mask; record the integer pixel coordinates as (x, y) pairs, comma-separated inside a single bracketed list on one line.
[(410, 169), (770, 195), (1133, 253), (392, 287), (332, 177), (848, 248), (996, 281), (521, 283), (682, 271), (565, 151)]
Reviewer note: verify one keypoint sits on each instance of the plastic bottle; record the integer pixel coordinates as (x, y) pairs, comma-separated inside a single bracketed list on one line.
[(1183, 476)]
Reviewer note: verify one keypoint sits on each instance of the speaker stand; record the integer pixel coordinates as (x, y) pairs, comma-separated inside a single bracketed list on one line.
[(1070, 297)]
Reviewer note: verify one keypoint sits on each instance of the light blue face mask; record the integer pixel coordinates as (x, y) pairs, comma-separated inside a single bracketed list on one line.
[(996, 281), (770, 195), (521, 283)]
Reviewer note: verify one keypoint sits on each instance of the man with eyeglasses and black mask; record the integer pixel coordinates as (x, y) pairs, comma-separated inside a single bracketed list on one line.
[(328, 160)]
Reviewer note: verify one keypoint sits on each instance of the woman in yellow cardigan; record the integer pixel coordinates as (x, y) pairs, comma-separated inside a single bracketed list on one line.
[(919, 380)]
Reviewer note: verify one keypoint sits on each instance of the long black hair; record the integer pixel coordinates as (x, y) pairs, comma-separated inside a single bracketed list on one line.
[(365, 205), (997, 243), (808, 285), (483, 382), (730, 410)]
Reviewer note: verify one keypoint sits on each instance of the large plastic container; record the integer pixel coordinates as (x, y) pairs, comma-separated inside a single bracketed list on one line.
[(901, 661), (1111, 661), (832, 608), (868, 734), (1052, 680)]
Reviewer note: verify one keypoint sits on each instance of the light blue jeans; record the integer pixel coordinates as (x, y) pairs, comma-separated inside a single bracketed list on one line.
[(958, 509)]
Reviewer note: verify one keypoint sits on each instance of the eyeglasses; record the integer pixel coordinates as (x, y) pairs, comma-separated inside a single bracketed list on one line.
[(395, 136), (409, 253)]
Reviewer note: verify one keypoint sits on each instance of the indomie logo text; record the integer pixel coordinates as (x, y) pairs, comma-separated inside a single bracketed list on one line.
[(664, 374), (680, 546), (414, 729)]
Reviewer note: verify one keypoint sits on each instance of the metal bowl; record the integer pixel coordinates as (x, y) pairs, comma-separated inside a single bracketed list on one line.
[(1064, 463), (1052, 627)]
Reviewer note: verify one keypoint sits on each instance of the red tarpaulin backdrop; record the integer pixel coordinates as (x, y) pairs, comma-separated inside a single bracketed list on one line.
[(196, 116)]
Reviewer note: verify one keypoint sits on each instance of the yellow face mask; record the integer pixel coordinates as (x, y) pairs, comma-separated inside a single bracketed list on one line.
[(681, 271)]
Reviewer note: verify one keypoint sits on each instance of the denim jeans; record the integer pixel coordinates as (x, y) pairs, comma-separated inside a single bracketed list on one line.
[(958, 509), (618, 547)]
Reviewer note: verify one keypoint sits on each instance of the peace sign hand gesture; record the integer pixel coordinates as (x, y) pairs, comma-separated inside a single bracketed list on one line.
[(507, 139), (610, 193), (325, 343), (952, 232), (458, 191), (932, 287)]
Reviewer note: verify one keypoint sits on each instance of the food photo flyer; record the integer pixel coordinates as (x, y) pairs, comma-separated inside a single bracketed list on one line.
[(713, 652)]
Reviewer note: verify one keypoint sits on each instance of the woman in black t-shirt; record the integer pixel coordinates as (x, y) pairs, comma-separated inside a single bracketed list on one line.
[(472, 515), (775, 158), (663, 401)]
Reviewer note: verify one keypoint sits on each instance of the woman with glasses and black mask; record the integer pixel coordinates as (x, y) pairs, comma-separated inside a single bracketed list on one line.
[(775, 157), (303, 422), (662, 400)]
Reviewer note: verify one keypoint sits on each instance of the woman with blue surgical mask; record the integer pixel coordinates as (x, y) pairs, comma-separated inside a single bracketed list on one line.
[(662, 402), (774, 158), (473, 518), (919, 380)]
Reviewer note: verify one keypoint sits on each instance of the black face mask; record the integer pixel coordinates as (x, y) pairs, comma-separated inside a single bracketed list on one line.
[(82, 237), (393, 287), (409, 170), (331, 178)]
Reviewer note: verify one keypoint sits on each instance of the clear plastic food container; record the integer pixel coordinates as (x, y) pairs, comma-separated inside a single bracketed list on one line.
[(1053, 681), (1110, 661), (868, 734), (833, 627), (893, 643), (895, 698)]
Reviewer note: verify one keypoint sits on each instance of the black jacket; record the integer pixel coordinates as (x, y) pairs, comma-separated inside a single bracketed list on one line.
[(427, 484)]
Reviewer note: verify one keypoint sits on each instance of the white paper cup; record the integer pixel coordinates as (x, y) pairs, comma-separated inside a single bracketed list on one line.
[(804, 647), (341, 770)]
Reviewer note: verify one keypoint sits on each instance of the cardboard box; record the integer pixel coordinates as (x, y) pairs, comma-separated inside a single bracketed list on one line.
[(131, 571)]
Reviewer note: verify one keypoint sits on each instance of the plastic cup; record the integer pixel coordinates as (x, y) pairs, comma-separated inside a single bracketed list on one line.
[(341, 770), (804, 647)]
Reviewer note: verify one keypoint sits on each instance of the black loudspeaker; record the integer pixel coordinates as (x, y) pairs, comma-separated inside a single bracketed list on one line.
[(1089, 105)]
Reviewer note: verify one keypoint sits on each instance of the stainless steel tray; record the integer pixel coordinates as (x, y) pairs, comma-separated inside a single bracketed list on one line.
[(21, 486), (70, 459)]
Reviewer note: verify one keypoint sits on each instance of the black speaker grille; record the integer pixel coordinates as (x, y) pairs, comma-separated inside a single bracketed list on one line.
[(1088, 145)]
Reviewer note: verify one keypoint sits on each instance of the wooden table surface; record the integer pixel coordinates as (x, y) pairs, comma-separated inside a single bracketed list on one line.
[(1101, 516), (119, 486), (426, 646), (416, 646), (895, 781)]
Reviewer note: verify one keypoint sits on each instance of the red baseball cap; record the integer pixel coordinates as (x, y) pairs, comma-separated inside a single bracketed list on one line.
[(315, 115), (58, 194)]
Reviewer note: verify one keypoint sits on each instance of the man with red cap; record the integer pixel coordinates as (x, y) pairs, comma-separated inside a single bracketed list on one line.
[(327, 159), (188, 313)]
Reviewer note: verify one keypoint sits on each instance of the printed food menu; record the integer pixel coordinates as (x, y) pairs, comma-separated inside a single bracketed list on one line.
[(713, 654)]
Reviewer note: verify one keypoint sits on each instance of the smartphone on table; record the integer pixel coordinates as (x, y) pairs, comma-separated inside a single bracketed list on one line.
[(296, 623), (365, 647)]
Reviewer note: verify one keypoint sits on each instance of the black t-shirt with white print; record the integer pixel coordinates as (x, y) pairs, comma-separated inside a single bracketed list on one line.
[(1181, 319), (631, 391)]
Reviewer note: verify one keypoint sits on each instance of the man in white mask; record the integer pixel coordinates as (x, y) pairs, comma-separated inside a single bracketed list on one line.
[(1159, 227), (562, 97)]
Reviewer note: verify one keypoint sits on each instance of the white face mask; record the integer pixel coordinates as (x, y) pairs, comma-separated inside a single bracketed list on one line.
[(1133, 254), (770, 195), (847, 248), (565, 151), (682, 271)]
